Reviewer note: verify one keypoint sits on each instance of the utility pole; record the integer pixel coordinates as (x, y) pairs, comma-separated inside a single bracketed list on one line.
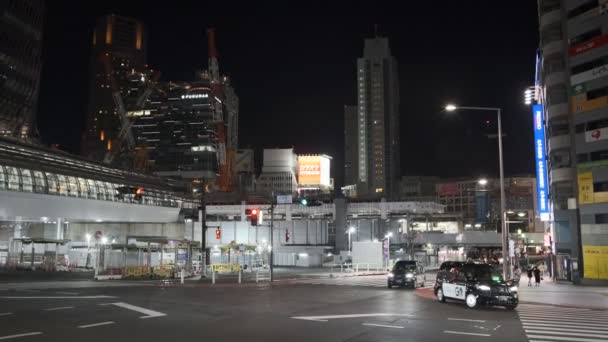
[(203, 220), (271, 236)]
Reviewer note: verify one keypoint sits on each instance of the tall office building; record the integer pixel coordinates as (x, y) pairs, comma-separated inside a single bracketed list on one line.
[(378, 168), (572, 88), (20, 64), (190, 129), (117, 66), (350, 145)]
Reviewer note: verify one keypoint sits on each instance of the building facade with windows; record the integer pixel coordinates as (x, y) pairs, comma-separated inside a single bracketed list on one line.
[(279, 172), (117, 65), (378, 143), (21, 24), (572, 86)]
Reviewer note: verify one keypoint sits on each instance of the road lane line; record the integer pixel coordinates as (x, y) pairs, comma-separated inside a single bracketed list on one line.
[(6, 313), (467, 320), (95, 324), (464, 333), (59, 308), (68, 293), (325, 318), (565, 318), (578, 329), (57, 297), (149, 313), (384, 326), (20, 335)]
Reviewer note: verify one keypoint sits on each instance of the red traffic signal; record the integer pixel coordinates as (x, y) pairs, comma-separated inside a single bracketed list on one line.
[(218, 233), (254, 211)]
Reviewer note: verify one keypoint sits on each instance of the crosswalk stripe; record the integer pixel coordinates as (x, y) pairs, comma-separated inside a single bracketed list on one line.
[(566, 333), (558, 326), (562, 318), (564, 338), (564, 322)]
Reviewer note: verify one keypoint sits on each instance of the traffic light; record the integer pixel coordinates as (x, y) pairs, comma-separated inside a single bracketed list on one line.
[(138, 193), (254, 217), (218, 234), (310, 203), (304, 201), (286, 235)]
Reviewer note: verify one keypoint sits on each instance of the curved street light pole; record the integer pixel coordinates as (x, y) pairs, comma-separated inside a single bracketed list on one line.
[(505, 234)]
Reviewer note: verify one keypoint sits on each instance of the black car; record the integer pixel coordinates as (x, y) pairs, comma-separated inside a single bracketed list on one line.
[(475, 284), (406, 273)]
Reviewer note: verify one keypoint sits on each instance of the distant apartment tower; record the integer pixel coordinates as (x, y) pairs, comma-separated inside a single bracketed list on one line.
[(118, 56), (279, 172), (378, 144), (351, 156), (20, 64), (572, 87)]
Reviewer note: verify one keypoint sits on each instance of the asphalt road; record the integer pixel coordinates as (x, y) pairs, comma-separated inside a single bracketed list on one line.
[(285, 311)]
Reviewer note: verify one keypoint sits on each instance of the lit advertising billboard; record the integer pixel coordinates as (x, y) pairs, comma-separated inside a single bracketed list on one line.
[(542, 188), (313, 170)]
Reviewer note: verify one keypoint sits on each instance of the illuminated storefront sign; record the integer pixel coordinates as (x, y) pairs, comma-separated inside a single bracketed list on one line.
[(588, 45), (580, 104), (589, 75), (541, 164), (313, 170)]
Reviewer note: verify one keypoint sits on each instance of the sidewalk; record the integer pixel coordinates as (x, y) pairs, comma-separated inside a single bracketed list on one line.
[(551, 293)]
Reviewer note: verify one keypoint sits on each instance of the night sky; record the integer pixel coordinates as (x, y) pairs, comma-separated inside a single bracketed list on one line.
[(294, 70)]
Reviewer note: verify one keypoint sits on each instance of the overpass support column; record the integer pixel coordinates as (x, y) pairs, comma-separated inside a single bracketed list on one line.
[(243, 208)]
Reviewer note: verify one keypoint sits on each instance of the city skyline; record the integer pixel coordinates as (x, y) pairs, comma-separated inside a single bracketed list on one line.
[(275, 90)]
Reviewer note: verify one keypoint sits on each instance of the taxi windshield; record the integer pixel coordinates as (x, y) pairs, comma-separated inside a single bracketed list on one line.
[(407, 267), (484, 273)]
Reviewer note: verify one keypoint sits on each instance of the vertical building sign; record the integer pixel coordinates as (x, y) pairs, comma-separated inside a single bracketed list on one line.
[(542, 187)]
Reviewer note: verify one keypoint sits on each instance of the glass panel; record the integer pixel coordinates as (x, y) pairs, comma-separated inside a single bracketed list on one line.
[(2, 178), (13, 178), (51, 179), (92, 188), (110, 192), (26, 180), (72, 186), (101, 188), (39, 182), (84, 188), (63, 185)]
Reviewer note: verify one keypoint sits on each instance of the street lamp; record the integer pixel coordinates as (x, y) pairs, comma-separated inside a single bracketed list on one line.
[(483, 182), (350, 246), (505, 235)]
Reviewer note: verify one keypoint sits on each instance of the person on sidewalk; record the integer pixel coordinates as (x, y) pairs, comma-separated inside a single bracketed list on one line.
[(529, 276), (516, 275), (543, 269), (537, 276)]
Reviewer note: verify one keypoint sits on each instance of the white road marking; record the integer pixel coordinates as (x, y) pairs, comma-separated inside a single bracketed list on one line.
[(30, 290), (551, 317), (563, 322), (580, 329), (553, 326), (383, 325), (95, 324), (59, 308), (68, 293), (563, 338), (325, 318), (6, 313), (57, 297), (466, 320), (19, 335), (464, 333), (565, 333), (149, 313)]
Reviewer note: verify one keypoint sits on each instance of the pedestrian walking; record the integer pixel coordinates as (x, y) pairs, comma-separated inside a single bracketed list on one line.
[(537, 276), (543, 269), (529, 276), (516, 274)]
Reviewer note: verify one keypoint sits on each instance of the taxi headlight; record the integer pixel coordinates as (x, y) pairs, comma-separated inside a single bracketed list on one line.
[(483, 287), (513, 288), (409, 275), (390, 274)]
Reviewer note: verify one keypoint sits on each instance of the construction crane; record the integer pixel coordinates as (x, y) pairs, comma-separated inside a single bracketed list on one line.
[(125, 135), (225, 156)]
